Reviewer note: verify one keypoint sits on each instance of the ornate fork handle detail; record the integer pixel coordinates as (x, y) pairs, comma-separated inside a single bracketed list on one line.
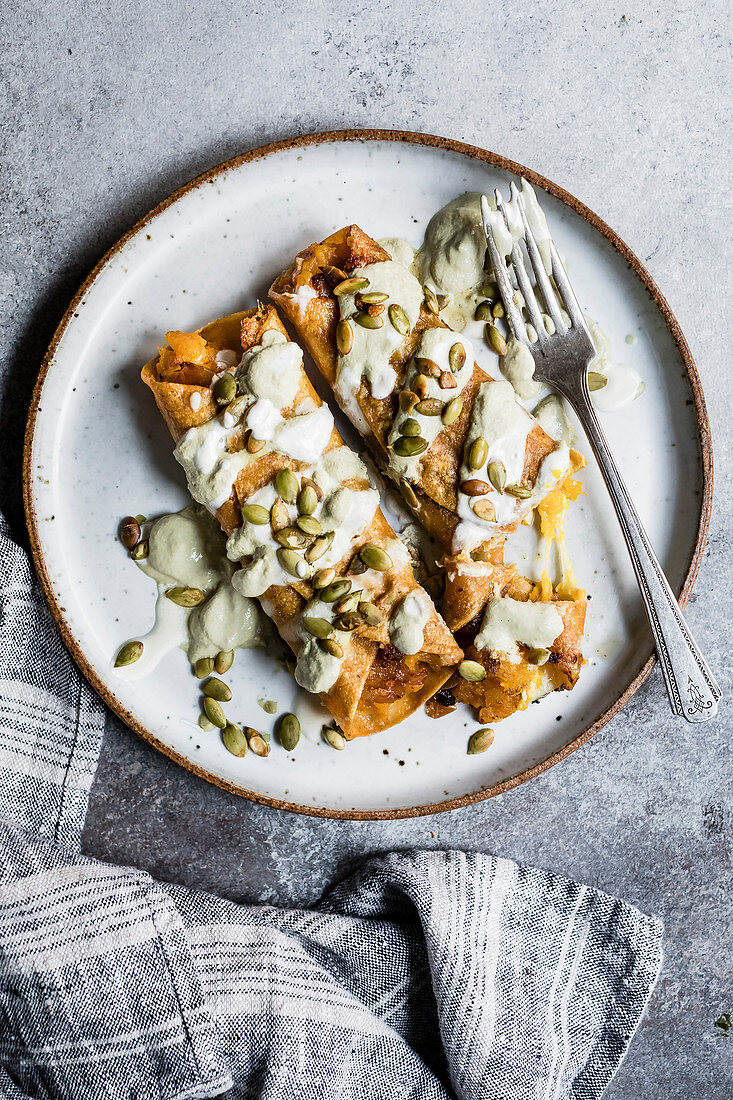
[(692, 689)]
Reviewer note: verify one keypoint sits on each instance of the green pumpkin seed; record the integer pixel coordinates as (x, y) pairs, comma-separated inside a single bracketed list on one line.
[(457, 357), (350, 286), (309, 525), (495, 340), (291, 537), (319, 547), (141, 519), (519, 491), (410, 427), (141, 551), (323, 577), (307, 481), (129, 532), (255, 513), (483, 312), (128, 654), (268, 705), (408, 400), (488, 289), (333, 738), (256, 742), (399, 319), (421, 386), (336, 590), (289, 731), (430, 406), (286, 484), (484, 509), (409, 493), (214, 712), (407, 447), (307, 500), (365, 320), (480, 741), (431, 300), (332, 647), (349, 621), (204, 667), (234, 739), (186, 597), (478, 453), (452, 410), (279, 515), (373, 297), (292, 563), (334, 275), (498, 310), (357, 566), (205, 724), (427, 366), (348, 603), (224, 661), (538, 656), (596, 380), (371, 615), (475, 487), (217, 689), (237, 406), (319, 628), (344, 337), (225, 389), (497, 475), (374, 557), (472, 671)]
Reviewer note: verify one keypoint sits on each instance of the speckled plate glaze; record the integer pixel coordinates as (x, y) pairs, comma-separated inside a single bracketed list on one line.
[(96, 449)]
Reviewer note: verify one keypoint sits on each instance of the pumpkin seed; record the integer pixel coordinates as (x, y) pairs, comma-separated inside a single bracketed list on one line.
[(399, 319), (483, 312), (186, 597), (430, 406), (484, 509), (421, 386), (478, 453), (323, 577), (349, 621), (224, 661), (279, 515), (410, 427), (498, 310), (128, 654), (308, 482), (291, 537), (488, 289), (475, 487), (129, 532), (374, 297), (472, 671), (336, 590), (333, 275), (257, 742), (519, 491), (217, 689), (538, 656), (334, 738), (348, 603), (452, 410), (596, 380), (365, 320), (204, 667), (407, 447), (307, 500), (431, 300), (141, 519), (255, 513), (495, 340), (409, 493), (225, 389), (286, 484), (480, 741), (318, 548), (447, 381), (332, 647), (289, 731), (141, 551), (292, 563), (214, 712), (371, 615), (234, 739), (237, 406), (309, 525), (374, 557), (350, 286), (205, 724), (357, 566), (497, 475), (344, 337), (408, 400), (427, 366), (253, 446), (319, 628), (457, 357)]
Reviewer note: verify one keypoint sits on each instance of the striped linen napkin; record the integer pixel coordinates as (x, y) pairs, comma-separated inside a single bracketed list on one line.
[(426, 975)]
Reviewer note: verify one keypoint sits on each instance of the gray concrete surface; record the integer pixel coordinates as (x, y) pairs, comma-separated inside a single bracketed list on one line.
[(109, 107)]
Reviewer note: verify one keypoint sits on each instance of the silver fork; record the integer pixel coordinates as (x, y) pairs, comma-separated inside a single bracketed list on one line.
[(561, 361)]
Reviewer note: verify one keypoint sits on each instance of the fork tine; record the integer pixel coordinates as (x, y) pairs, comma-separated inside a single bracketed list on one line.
[(566, 291), (539, 268), (528, 294), (505, 287)]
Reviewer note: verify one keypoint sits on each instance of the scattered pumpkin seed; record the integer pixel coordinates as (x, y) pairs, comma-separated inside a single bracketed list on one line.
[(286, 484), (129, 532), (268, 705), (447, 381), (431, 300), (478, 453), (427, 366), (475, 487), (407, 447), (409, 493), (452, 410), (399, 319), (472, 671), (495, 340), (237, 406), (205, 724), (225, 389), (336, 590), (332, 647), (344, 337), (480, 741), (141, 519), (214, 712), (224, 661), (289, 731), (483, 311), (349, 621), (357, 566), (291, 537), (319, 628), (519, 491), (128, 654), (234, 739), (333, 275), (374, 557), (374, 297), (217, 689), (410, 427), (408, 400), (186, 597), (484, 509), (538, 656), (141, 551), (350, 286), (253, 446), (333, 738), (349, 602), (421, 386), (457, 357), (498, 310), (292, 563), (430, 406), (596, 380), (204, 667), (308, 482), (497, 475), (323, 577), (279, 515), (365, 320), (255, 513), (317, 549), (307, 500), (309, 525), (371, 615), (257, 742), (488, 289)]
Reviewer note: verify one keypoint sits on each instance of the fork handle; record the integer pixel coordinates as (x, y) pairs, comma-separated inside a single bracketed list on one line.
[(693, 692)]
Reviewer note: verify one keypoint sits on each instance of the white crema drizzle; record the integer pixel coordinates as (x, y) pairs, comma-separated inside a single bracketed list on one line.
[(507, 622)]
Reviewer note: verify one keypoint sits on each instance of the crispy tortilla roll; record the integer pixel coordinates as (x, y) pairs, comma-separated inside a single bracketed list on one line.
[(470, 461), (260, 450)]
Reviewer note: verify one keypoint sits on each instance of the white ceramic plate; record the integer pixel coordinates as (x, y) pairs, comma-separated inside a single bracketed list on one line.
[(97, 450)]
